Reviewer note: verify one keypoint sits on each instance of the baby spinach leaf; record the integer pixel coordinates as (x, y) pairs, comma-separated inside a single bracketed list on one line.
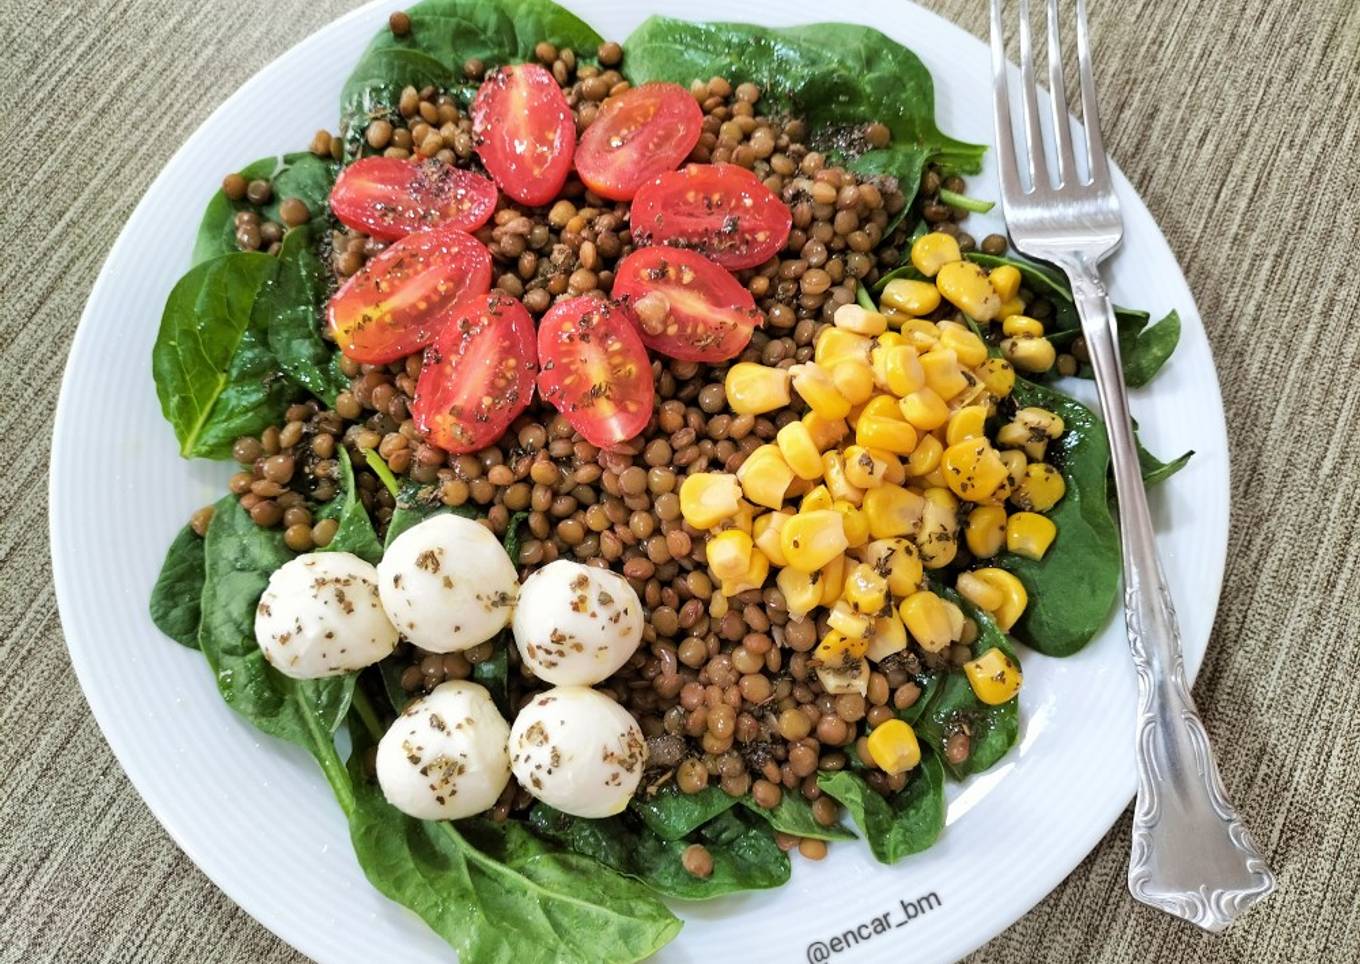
[(177, 594), (793, 815), (745, 856), (302, 175), (390, 669), (239, 556), (289, 308), (1154, 469), (415, 504), (355, 533), (1149, 349), (215, 375), (839, 77), (373, 88), (905, 823), (930, 684), (671, 814)]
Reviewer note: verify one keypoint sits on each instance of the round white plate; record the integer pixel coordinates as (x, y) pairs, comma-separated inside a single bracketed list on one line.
[(257, 816)]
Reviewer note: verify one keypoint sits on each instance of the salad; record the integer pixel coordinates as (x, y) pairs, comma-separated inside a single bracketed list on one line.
[(638, 461)]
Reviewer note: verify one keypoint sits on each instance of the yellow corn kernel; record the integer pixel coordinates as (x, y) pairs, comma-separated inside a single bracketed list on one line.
[(802, 591), (891, 339), (854, 379), (893, 435), (853, 677), (1041, 420), (765, 533), (925, 458), (997, 375), (729, 553), (979, 592), (866, 590), (837, 483), (757, 570), (837, 648), (832, 580), (956, 619), (937, 539), (1041, 488), (934, 480), (765, 476), (896, 472), (799, 451), (994, 677), (925, 409), (970, 349), (1022, 326), (851, 623), (744, 518), (860, 320), (965, 285), (893, 746), (881, 406), (972, 469), (1005, 281), (836, 344), (920, 334), (1015, 463), (910, 297), (818, 497), (864, 469), (825, 432), (1014, 597), (927, 619), (898, 561), (986, 532), (1014, 435), (1029, 534), (755, 389), (943, 375), (717, 605), (893, 511), (931, 252), (1010, 306), (902, 371), (707, 498), (812, 539), (889, 636), (1029, 354), (856, 525), (815, 387), (966, 423)]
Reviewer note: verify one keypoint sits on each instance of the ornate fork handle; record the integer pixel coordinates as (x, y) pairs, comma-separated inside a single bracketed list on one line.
[(1191, 855)]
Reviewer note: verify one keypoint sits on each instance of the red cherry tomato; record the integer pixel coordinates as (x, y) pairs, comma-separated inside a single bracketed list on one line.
[(686, 306), (721, 210), (525, 132), (389, 197), (593, 368), (478, 373), (397, 302), (643, 132)]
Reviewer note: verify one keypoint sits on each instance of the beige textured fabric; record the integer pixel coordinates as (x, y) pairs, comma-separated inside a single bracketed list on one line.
[(1241, 128)]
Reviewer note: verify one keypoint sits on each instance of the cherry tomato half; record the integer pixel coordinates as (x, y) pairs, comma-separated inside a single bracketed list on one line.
[(525, 132), (638, 134), (686, 306), (593, 368), (721, 210), (478, 373), (397, 302), (389, 197)]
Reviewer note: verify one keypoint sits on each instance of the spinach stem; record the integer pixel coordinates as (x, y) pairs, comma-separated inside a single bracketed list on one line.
[(955, 200), (380, 468), (865, 300), (366, 714), (323, 748)]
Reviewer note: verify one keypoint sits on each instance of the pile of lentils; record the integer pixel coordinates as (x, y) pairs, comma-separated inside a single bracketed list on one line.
[(724, 689)]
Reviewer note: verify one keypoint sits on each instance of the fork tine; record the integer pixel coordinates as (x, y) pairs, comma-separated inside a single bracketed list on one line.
[(1038, 165), (1090, 113), (1067, 165), (1011, 189)]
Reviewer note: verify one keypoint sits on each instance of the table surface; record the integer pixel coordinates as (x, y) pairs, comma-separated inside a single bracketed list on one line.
[(1239, 123)]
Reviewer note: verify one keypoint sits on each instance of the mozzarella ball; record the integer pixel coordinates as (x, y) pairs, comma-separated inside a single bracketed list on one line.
[(320, 615), (576, 625), (445, 757), (577, 750), (447, 584)]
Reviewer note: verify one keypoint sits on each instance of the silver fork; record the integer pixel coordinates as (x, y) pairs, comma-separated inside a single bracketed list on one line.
[(1191, 856)]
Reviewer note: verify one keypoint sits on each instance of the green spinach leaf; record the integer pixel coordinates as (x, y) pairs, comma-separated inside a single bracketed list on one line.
[(415, 504), (905, 823), (1149, 349), (794, 815), (672, 815), (289, 308), (373, 88), (302, 175), (1154, 469), (355, 533), (176, 597)]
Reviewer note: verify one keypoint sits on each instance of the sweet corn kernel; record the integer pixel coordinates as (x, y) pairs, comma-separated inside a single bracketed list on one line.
[(864, 469), (925, 458), (812, 539), (881, 406), (860, 320), (814, 386), (943, 375), (970, 349), (898, 561), (994, 677), (1029, 354), (744, 518), (896, 473), (919, 334), (765, 533), (927, 619), (866, 590), (836, 344), (890, 339), (825, 432), (1014, 435), (729, 553), (707, 498), (1015, 462), (818, 497), (986, 532), (755, 389), (1010, 306), (1041, 488), (1022, 326), (1014, 597), (893, 746), (966, 423), (901, 370), (925, 409), (854, 379), (1040, 420), (934, 480), (757, 570), (837, 483), (850, 678), (937, 539), (851, 623), (765, 476), (837, 648), (972, 469), (965, 285), (832, 580), (889, 637), (1029, 534), (855, 522), (802, 591), (931, 252), (910, 297), (799, 451), (893, 511), (893, 435), (979, 592), (1005, 281), (997, 375)]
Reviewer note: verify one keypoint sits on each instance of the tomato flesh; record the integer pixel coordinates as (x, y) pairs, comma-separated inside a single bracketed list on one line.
[(638, 134), (397, 302), (525, 133), (721, 210), (593, 368), (478, 373), (389, 197), (685, 306)]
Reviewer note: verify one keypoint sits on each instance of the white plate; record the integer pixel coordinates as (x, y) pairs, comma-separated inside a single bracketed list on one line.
[(257, 816)]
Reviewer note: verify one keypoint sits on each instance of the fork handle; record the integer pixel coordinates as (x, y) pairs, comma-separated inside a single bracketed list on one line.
[(1191, 854)]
